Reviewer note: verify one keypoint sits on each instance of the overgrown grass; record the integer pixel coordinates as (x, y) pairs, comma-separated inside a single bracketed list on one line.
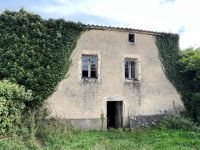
[(119, 140), (151, 139)]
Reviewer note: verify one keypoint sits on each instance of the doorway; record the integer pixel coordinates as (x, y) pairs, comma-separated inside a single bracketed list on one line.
[(114, 114)]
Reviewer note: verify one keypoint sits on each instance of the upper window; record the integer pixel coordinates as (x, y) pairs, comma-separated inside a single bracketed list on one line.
[(129, 69), (131, 37), (89, 66)]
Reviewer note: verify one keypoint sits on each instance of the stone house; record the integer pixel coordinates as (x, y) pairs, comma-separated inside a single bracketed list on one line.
[(116, 80)]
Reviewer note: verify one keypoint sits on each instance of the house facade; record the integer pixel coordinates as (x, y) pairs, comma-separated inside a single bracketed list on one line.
[(116, 76)]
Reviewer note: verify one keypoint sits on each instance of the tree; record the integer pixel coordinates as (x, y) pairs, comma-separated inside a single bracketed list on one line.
[(190, 59), (190, 64)]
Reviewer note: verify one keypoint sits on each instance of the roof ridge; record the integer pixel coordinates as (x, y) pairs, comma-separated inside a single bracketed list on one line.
[(101, 27)]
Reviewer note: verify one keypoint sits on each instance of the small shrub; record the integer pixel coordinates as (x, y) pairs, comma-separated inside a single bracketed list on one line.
[(178, 122), (12, 102)]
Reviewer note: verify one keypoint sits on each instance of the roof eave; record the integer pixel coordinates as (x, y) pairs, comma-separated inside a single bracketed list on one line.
[(98, 27)]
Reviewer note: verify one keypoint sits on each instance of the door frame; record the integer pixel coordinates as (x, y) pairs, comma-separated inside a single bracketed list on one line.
[(115, 105)]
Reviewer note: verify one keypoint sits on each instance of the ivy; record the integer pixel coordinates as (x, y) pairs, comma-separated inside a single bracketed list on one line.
[(170, 57), (35, 52)]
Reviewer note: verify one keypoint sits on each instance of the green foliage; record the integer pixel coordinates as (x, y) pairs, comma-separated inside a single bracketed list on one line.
[(14, 143), (12, 102), (178, 122), (190, 59), (183, 69), (194, 104), (190, 68), (169, 55), (59, 135), (112, 140), (54, 127), (190, 63), (35, 52)]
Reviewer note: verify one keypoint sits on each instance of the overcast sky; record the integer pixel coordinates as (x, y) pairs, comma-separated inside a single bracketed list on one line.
[(177, 16)]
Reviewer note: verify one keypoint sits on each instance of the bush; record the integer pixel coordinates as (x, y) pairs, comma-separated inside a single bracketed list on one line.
[(195, 106), (12, 102), (190, 68), (178, 122)]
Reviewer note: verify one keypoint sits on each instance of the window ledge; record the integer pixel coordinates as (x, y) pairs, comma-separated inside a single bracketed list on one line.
[(131, 81), (132, 43), (86, 80)]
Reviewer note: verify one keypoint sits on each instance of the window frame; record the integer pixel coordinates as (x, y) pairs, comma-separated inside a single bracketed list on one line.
[(89, 65), (134, 38), (137, 61), (131, 69)]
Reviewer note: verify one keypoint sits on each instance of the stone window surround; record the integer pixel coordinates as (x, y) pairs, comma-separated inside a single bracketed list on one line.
[(137, 61), (89, 52)]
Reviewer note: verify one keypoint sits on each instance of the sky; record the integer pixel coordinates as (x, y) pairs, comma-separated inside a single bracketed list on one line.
[(176, 16)]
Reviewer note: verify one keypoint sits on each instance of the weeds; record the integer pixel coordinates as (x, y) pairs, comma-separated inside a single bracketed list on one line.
[(178, 122), (51, 134)]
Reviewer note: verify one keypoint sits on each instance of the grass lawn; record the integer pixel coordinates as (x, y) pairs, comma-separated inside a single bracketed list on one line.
[(150, 139)]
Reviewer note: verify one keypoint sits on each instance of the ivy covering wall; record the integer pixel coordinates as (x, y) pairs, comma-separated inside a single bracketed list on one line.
[(170, 55), (35, 52)]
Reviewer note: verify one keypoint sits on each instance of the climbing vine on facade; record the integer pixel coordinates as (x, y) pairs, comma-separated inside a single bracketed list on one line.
[(35, 52), (170, 57)]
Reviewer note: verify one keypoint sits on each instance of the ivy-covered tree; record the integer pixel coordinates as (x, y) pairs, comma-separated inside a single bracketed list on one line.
[(35, 52), (190, 64)]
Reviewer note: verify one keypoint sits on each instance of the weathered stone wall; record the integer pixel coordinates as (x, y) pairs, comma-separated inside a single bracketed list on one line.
[(153, 94), (145, 121), (88, 124)]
